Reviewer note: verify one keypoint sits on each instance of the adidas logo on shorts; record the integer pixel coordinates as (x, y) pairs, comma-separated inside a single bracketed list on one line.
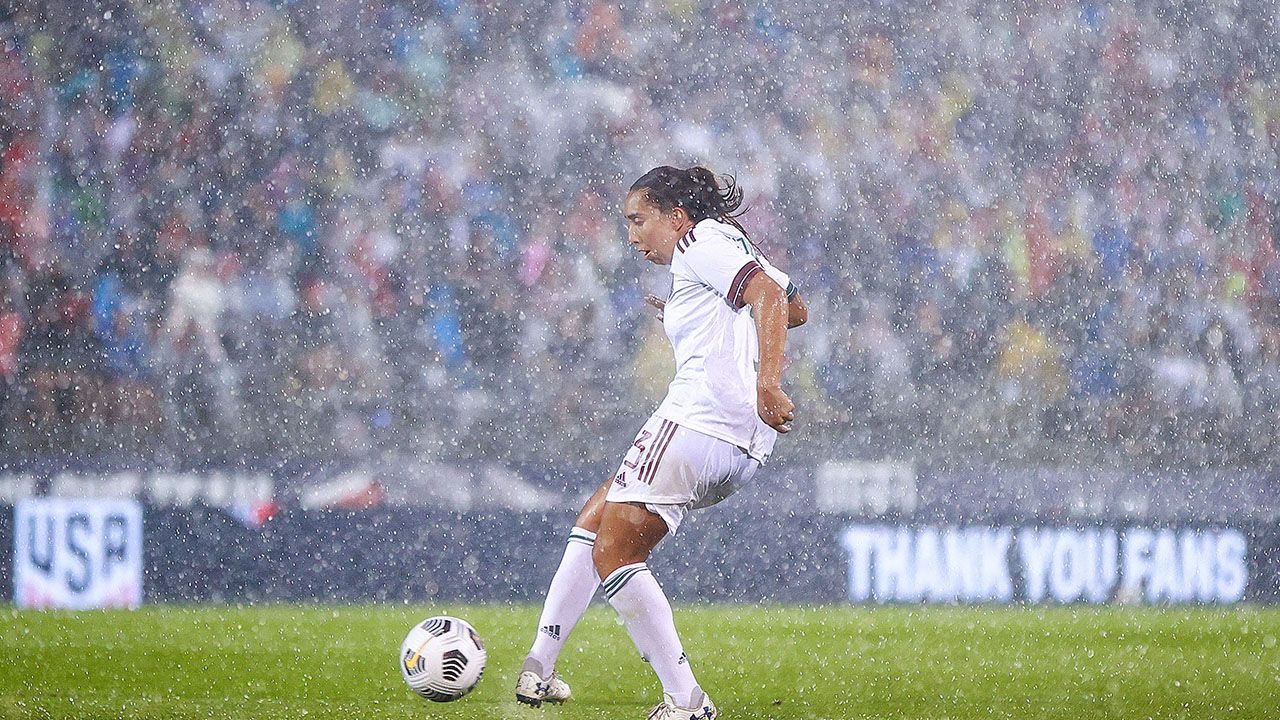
[(552, 630), (620, 480)]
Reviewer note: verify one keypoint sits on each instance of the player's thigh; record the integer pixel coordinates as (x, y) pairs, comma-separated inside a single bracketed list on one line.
[(628, 534), (589, 517)]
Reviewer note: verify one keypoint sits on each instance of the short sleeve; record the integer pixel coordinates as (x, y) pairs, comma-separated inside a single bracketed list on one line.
[(720, 261), (783, 279)]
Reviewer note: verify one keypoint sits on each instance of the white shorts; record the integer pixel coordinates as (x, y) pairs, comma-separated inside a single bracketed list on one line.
[(673, 469)]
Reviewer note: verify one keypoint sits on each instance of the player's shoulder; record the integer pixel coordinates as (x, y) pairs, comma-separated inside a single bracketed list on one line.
[(708, 234)]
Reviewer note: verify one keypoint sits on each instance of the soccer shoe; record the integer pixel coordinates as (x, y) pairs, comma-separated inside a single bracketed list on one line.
[(533, 690), (668, 710)]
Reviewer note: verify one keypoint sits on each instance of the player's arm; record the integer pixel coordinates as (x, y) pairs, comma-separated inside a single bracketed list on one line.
[(771, 310), (727, 264), (797, 313)]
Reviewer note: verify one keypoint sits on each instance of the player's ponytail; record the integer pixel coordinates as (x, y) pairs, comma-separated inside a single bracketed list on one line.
[(715, 201), (698, 190)]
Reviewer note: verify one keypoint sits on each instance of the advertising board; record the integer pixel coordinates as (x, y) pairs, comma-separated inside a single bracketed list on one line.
[(1036, 564), (77, 553)]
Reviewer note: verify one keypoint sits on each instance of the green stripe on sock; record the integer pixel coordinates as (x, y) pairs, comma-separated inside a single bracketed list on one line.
[(616, 580), (612, 589)]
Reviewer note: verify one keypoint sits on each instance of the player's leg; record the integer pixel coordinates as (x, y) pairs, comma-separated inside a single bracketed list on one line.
[(628, 534), (572, 587), (589, 516)]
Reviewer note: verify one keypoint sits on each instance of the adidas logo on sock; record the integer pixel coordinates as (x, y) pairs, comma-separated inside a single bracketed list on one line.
[(552, 630), (684, 658)]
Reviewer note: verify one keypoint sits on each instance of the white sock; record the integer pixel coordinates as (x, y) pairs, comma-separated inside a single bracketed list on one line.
[(574, 584), (639, 600)]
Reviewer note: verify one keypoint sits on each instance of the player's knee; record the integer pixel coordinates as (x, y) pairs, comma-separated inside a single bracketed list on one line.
[(606, 555), (588, 520), (600, 555), (589, 517)]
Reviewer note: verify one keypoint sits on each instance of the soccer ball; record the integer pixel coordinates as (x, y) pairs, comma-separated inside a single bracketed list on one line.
[(442, 658)]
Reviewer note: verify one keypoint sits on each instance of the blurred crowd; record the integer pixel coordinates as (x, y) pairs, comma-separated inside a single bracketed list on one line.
[(1041, 231)]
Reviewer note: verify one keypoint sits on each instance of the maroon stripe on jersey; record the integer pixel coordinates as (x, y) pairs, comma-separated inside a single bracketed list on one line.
[(653, 446), (660, 447), (685, 241), (656, 450), (739, 284)]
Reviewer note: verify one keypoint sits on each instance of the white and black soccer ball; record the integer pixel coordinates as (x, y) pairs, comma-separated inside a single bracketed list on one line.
[(442, 658)]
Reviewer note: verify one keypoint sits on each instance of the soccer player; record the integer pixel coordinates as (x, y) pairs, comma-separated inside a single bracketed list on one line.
[(727, 320)]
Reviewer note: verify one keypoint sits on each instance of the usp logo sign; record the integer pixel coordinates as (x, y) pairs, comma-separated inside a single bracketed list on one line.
[(77, 553)]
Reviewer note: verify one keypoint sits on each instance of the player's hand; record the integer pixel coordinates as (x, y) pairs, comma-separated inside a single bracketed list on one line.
[(658, 303), (776, 409)]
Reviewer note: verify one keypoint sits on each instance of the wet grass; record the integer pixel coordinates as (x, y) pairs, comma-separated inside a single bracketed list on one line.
[(758, 662)]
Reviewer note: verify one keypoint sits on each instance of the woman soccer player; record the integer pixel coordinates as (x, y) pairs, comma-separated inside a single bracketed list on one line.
[(729, 310)]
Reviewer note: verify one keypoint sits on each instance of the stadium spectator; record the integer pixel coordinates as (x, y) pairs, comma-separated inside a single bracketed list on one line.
[(1065, 211)]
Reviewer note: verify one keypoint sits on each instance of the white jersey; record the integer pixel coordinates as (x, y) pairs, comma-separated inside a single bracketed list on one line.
[(714, 337)]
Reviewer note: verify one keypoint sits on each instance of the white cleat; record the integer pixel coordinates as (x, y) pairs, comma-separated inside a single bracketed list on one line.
[(668, 710), (533, 690)]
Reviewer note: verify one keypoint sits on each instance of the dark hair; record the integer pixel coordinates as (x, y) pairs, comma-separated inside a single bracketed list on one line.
[(697, 190)]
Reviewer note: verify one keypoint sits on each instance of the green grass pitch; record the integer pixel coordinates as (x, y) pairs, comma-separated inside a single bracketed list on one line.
[(758, 662)]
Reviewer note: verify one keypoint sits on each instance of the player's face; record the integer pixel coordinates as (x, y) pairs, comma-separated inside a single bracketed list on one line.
[(651, 231)]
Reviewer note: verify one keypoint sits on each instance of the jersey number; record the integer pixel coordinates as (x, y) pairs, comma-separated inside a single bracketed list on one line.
[(638, 444), (749, 249)]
